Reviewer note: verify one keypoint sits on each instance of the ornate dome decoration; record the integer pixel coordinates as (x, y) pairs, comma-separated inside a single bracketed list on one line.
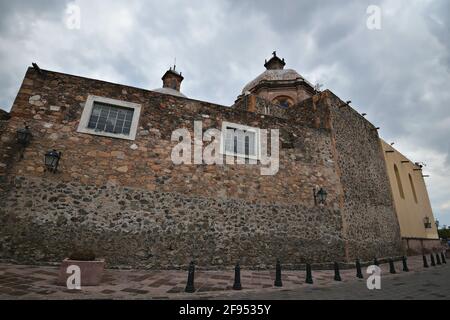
[(283, 87), (273, 75)]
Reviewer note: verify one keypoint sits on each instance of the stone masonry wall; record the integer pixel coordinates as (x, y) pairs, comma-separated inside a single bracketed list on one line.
[(137, 208), (370, 223), (416, 246), (52, 105), (262, 106), (43, 220)]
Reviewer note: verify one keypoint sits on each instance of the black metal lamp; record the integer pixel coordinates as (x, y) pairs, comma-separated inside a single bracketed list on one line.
[(320, 196), (427, 223), (24, 136), (51, 160)]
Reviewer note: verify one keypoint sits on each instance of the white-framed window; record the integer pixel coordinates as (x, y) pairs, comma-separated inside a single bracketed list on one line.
[(240, 140), (110, 118)]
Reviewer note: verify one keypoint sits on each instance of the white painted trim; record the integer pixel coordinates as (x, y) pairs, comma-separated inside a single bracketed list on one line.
[(87, 111), (226, 124)]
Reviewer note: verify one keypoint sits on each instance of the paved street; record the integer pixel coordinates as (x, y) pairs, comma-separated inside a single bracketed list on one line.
[(31, 282), (433, 284)]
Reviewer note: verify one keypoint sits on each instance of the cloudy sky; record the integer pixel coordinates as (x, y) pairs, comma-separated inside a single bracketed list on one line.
[(399, 75)]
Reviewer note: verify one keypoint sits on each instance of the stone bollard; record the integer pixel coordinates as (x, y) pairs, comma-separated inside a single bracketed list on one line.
[(405, 264), (237, 277), (375, 262), (392, 266), (278, 282), (433, 264), (337, 274), (443, 258), (309, 278), (190, 282), (425, 263), (358, 270), (438, 259)]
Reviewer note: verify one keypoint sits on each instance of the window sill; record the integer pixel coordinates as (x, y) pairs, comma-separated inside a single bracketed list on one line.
[(105, 134)]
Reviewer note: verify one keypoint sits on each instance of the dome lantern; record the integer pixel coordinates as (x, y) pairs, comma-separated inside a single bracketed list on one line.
[(275, 63)]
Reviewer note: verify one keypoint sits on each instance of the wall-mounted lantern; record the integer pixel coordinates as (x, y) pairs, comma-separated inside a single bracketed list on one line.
[(24, 136), (427, 223), (51, 160), (320, 197)]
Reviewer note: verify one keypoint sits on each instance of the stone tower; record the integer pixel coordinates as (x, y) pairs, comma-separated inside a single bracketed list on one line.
[(171, 83)]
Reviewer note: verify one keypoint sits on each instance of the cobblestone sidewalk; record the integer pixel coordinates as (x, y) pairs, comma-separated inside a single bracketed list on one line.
[(33, 282)]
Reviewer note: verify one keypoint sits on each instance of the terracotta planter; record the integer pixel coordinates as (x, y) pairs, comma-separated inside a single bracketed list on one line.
[(91, 272)]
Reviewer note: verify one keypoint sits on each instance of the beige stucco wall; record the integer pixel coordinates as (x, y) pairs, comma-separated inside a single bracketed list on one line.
[(410, 213)]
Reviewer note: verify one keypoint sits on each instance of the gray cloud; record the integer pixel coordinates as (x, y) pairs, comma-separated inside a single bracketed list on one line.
[(399, 75)]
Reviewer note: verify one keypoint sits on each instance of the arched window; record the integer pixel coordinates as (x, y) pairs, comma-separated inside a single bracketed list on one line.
[(399, 182), (283, 101), (413, 188)]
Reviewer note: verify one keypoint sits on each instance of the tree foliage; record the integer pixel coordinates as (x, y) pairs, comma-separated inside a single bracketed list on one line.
[(444, 233)]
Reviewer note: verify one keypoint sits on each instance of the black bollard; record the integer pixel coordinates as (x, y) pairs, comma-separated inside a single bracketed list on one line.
[(425, 263), (443, 258), (433, 264), (375, 262), (438, 259), (405, 264), (237, 277), (337, 275), (278, 282), (190, 282), (309, 278), (391, 266), (358, 270)]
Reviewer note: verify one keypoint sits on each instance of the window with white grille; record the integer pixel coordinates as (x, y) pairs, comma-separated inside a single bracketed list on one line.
[(110, 118), (239, 140)]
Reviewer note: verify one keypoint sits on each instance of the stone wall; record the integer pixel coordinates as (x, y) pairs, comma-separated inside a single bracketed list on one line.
[(8, 150), (4, 115), (141, 210), (52, 106), (262, 106), (42, 221), (417, 246), (129, 201), (370, 223)]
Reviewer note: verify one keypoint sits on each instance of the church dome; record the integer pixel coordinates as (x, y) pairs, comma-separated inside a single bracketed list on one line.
[(273, 75)]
